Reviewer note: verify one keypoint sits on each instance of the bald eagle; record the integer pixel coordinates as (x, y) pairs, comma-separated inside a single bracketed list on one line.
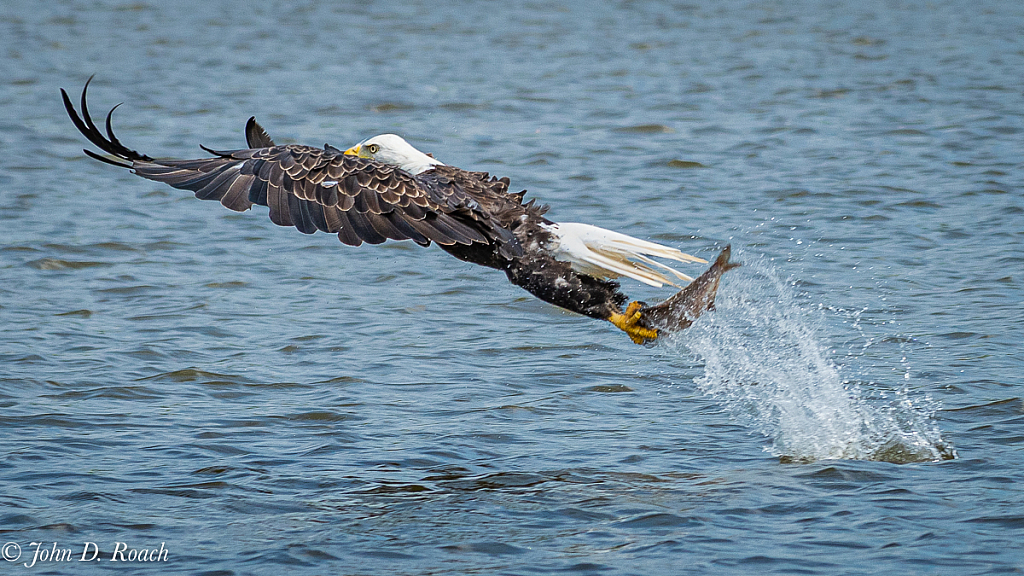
[(385, 189)]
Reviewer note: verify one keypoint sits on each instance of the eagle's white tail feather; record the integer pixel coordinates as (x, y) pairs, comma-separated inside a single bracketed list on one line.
[(609, 265), (675, 272), (607, 254)]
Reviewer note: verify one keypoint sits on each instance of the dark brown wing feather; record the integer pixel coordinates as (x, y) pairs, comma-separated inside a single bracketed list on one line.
[(256, 136), (314, 189)]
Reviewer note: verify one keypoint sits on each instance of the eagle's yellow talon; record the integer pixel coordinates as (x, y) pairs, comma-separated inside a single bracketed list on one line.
[(628, 323)]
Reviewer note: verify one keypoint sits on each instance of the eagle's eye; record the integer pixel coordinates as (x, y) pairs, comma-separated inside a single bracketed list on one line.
[(373, 148)]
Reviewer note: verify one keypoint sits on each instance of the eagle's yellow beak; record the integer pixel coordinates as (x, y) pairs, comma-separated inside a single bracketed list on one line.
[(353, 151)]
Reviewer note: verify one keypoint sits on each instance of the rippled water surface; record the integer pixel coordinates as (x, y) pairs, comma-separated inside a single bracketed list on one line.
[(257, 401)]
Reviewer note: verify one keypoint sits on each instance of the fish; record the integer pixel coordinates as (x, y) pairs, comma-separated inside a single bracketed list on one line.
[(681, 310)]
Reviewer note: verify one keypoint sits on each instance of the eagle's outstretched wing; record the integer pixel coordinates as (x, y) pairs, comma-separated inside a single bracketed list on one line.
[(310, 188)]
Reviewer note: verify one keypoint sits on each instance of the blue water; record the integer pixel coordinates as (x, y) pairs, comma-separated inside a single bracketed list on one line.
[(258, 401)]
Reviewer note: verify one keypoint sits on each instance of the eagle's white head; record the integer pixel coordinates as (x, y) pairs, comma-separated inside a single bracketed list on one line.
[(394, 150)]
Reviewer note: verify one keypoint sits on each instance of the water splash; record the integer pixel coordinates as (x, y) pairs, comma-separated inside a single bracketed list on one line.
[(764, 360)]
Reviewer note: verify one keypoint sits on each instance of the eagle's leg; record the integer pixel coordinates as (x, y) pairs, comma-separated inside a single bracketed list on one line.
[(628, 322)]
